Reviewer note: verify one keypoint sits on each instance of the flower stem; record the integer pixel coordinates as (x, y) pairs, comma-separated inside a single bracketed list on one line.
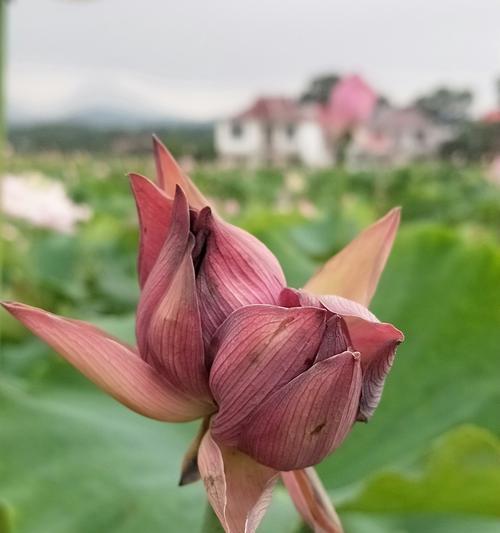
[(211, 523), (3, 58)]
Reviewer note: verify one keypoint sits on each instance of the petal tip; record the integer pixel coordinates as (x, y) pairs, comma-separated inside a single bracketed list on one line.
[(137, 182), (157, 143), (15, 307), (190, 474), (394, 215), (180, 194)]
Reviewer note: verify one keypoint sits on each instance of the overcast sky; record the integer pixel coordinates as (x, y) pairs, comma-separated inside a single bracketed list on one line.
[(202, 59)]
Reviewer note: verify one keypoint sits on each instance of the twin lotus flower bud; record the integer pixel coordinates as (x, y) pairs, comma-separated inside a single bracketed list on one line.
[(278, 375)]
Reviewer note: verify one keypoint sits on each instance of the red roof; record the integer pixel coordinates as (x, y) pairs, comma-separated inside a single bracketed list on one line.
[(272, 109), (492, 117)]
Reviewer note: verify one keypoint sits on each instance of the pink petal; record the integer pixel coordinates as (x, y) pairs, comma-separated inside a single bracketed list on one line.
[(170, 176), (154, 210), (307, 419), (168, 318), (355, 271), (238, 488), (335, 340), (236, 270), (311, 500), (345, 307), (335, 304), (258, 349), (291, 298), (298, 298), (111, 365), (377, 343)]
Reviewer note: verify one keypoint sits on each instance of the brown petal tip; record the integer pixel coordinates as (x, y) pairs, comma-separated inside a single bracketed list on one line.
[(190, 473)]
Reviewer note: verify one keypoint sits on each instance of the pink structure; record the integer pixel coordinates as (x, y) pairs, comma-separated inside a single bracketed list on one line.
[(352, 102)]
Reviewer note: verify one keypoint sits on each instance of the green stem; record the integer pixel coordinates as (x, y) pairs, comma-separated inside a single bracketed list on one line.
[(343, 143), (3, 120), (3, 54), (211, 523)]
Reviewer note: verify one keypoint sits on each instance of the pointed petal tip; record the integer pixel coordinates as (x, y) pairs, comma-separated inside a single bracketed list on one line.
[(189, 476), (354, 272), (169, 173), (395, 335), (7, 304), (160, 150), (180, 195), (135, 178), (11, 307), (113, 366), (190, 472), (157, 143), (138, 181), (394, 216), (14, 308)]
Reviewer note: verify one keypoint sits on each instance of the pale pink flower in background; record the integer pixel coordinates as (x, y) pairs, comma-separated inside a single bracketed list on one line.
[(42, 202)]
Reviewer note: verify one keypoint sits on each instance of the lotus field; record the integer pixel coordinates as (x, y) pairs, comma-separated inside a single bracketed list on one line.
[(74, 460)]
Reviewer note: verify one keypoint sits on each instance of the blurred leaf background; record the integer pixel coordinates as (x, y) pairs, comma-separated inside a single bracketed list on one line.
[(72, 460)]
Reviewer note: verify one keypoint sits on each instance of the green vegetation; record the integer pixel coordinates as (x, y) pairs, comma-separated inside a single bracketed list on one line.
[(71, 459), (195, 140)]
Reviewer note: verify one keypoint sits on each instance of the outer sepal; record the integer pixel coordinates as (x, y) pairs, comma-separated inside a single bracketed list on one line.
[(111, 365)]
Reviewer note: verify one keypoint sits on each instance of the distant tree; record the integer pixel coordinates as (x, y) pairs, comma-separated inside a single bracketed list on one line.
[(383, 101), (475, 142), (447, 105), (319, 89), (194, 140)]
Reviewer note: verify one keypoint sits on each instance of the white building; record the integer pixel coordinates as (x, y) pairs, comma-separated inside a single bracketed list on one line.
[(396, 136), (274, 131), (281, 130)]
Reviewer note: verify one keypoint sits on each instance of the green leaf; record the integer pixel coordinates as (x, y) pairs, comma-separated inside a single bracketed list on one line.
[(460, 475), (418, 523), (73, 459), (5, 518)]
